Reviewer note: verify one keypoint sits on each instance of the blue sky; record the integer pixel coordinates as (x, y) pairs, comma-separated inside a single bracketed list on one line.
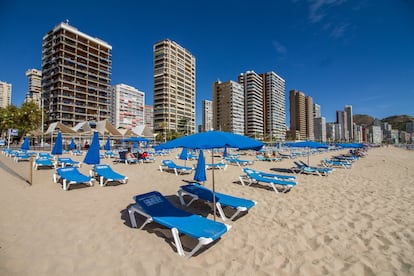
[(339, 52)]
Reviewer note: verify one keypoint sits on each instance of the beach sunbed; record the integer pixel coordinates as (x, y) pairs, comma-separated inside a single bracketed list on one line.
[(220, 166), (251, 177), (336, 164), (169, 165), (272, 175), (70, 176), (43, 162), (196, 191), (156, 208), (268, 159), (305, 169), (66, 161), (106, 174), (22, 156), (238, 162)]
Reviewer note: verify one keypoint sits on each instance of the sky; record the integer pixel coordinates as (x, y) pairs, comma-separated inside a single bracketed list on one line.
[(339, 52)]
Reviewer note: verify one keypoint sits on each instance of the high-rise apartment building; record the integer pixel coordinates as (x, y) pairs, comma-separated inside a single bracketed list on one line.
[(207, 118), (274, 106), (35, 87), (127, 106), (5, 94), (149, 117), (253, 103), (76, 71), (320, 129), (341, 119), (228, 107), (301, 115), (350, 122), (174, 88)]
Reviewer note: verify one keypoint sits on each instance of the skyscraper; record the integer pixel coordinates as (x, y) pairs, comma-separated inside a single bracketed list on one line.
[(207, 118), (253, 103), (35, 86), (301, 115), (274, 106), (5, 94), (76, 70), (350, 122), (174, 88), (127, 106), (341, 119), (228, 107)]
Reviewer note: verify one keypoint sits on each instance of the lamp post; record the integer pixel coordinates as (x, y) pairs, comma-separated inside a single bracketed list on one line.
[(42, 127)]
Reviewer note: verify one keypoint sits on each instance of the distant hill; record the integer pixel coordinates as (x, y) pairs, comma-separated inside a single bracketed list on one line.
[(398, 121), (363, 120)]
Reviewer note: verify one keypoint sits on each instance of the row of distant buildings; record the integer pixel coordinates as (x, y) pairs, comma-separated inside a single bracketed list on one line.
[(74, 85)]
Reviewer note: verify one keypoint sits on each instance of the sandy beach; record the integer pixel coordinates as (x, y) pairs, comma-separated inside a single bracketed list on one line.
[(357, 221)]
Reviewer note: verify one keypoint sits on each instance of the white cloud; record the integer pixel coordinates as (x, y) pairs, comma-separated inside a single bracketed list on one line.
[(317, 8), (279, 47)]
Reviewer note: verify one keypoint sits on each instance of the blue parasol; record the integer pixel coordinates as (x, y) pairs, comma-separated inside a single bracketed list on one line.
[(92, 156), (213, 140), (107, 145), (26, 144), (72, 144), (200, 172), (58, 146)]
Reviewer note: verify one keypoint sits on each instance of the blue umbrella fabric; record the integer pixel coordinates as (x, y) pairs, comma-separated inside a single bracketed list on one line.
[(26, 144), (350, 145), (213, 140), (307, 144), (107, 145), (200, 172), (58, 146), (72, 144), (184, 154), (92, 156)]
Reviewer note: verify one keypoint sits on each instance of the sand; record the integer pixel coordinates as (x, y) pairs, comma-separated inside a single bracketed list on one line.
[(354, 222)]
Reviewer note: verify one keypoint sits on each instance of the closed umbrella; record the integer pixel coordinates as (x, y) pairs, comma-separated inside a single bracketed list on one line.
[(213, 140), (26, 144), (72, 144), (200, 172), (92, 156), (107, 145), (58, 146)]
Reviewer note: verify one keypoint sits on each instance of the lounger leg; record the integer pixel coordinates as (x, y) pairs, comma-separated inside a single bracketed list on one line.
[(177, 242), (101, 180), (181, 194), (221, 212), (65, 188), (132, 210)]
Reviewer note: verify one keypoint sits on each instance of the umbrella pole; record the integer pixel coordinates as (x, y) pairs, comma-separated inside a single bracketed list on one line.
[(214, 189)]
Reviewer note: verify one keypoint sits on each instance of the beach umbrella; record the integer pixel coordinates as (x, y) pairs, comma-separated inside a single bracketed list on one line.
[(184, 154), (92, 156), (200, 172), (26, 144), (213, 140), (58, 146), (307, 144), (72, 144), (225, 154), (107, 145)]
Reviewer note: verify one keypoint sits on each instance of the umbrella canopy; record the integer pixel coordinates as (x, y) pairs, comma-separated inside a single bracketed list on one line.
[(213, 140), (107, 145), (58, 146), (72, 144), (307, 144), (92, 156), (350, 145), (26, 144), (200, 172)]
